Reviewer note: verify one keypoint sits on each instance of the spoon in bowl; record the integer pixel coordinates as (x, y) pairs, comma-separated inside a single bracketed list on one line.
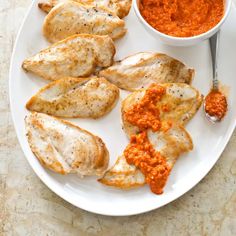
[(215, 103)]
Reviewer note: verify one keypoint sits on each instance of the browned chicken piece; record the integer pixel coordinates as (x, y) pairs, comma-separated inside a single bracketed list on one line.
[(75, 97), (76, 56), (142, 69), (170, 144), (119, 7), (65, 148), (71, 18), (183, 102)]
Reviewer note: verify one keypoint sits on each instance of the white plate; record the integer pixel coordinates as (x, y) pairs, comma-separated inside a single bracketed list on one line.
[(209, 140)]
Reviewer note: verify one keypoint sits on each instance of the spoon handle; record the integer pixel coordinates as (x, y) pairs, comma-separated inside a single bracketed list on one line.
[(214, 45)]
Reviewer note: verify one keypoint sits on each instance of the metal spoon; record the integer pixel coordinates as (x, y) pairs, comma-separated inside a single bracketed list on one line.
[(214, 46)]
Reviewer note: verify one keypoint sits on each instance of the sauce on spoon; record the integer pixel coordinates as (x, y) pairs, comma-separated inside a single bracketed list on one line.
[(216, 104)]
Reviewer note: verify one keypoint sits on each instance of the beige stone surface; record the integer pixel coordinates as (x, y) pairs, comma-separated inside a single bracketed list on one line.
[(28, 207)]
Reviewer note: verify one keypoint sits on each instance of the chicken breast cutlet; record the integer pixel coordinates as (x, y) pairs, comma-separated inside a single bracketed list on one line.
[(76, 56), (119, 7), (170, 144), (182, 100), (65, 148), (71, 18), (142, 69), (75, 97)]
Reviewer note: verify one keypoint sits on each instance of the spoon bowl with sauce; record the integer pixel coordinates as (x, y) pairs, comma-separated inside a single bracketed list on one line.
[(215, 103)]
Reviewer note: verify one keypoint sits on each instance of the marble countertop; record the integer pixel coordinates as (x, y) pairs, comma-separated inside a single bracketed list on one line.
[(28, 207)]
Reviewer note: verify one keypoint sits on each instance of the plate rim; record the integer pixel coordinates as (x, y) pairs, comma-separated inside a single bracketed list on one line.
[(63, 194)]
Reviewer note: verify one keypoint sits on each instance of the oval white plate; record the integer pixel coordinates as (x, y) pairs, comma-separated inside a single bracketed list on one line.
[(209, 140)]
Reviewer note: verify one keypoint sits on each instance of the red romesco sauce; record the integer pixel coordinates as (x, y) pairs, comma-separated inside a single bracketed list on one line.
[(140, 151), (216, 104), (182, 18), (145, 114), (141, 154)]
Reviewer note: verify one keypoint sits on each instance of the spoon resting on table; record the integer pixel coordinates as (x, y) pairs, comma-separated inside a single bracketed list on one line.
[(215, 103)]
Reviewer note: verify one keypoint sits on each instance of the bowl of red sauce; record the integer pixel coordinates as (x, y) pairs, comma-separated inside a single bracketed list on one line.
[(182, 22)]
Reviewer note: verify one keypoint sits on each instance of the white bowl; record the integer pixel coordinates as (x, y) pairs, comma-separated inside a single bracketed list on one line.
[(181, 41)]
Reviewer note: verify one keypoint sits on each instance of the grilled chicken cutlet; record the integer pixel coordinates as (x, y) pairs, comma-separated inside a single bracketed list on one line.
[(76, 56), (142, 69), (181, 100), (71, 18), (65, 148), (75, 97), (119, 7), (170, 144)]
